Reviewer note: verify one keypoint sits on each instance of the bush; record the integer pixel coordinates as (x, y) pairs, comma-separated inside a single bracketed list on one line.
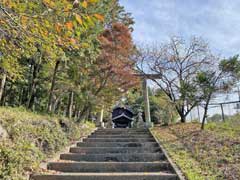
[(18, 159), (32, 138)]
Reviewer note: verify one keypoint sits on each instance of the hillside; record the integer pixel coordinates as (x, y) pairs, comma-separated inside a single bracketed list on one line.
[(31, 138), (210, 154)]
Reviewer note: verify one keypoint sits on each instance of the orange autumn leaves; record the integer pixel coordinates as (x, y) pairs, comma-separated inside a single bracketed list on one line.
[(62, 19), (117, 47)]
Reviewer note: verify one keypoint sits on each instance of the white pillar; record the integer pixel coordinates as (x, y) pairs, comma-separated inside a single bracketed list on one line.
[(146, 104), (100, 122)]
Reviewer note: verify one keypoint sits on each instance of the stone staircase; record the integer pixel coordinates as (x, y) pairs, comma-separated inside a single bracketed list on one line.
[(113, 154)]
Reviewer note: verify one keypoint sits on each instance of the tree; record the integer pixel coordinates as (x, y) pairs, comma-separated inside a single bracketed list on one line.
[(161, 109), (177, 64), (113, 74), (50, 54), (47, 28), (217, 78)]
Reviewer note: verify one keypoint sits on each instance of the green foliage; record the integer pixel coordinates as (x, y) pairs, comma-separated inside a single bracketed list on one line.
[(161, 109), (231, 127), (50, 49), (215, 118), (231, 65), (33, 137), (17, 158)]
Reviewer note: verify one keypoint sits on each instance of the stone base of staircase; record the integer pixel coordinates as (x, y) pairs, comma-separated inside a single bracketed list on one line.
[(112, 154)]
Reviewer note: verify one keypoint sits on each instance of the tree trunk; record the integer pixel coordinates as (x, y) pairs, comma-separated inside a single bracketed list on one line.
[(83, 113), (180, 112), (70, 104), (33, 85), (50, 99), (205, 112), (2, 85), (32, 90), (55, 104), (20, 95), (57, 107), (183, 118)]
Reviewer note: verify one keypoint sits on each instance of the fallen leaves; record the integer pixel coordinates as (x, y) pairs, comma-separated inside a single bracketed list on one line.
[(218, 154)]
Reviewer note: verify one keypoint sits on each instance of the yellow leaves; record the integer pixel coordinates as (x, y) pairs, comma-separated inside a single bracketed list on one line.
[(9, 3), (85, 4), (49, 3), (99, 17), (24, 21), (69, 25), (73, 41), (59, 41), (58, 27), (79, 19), (2, 21), (93, 1), (67, 8), (85, 45)]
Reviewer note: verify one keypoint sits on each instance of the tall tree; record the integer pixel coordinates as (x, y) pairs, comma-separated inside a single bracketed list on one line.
[(177, 64)]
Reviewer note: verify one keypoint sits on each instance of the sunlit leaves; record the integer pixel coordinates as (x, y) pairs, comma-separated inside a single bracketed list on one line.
[(79, 19), (58, 27), (52, 24), (65, 31), (69, 25), (99, 17), (49, 3), (85, 4)]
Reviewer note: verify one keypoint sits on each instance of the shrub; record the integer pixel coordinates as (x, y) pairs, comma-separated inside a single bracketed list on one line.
[(33, 137)]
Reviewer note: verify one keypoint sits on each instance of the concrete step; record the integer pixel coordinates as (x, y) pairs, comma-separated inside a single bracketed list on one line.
[(107, 176), (119, 140), (120, 136), (136, 157), (121, 131), (111, 150), (117, 144), (110, 166)]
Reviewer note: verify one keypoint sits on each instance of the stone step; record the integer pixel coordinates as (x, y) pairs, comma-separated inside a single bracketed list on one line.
[(111, 150), (110, 166), (107, 176), (120, 136), (119, 140), (121, 131), (136, 157), (117, 144)]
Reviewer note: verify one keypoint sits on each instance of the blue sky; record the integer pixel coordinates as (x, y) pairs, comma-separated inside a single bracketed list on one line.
[(217, 21)]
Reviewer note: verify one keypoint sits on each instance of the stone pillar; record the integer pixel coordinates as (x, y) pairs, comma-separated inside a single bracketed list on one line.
[(100, 122), (146, 104)]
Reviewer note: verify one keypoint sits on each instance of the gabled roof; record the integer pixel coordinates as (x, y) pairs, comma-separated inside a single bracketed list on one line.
[(119, 107), (122, 115)]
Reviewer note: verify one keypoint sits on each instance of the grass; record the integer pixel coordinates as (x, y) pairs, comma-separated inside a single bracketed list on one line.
[(212, 154), (32, 138)]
